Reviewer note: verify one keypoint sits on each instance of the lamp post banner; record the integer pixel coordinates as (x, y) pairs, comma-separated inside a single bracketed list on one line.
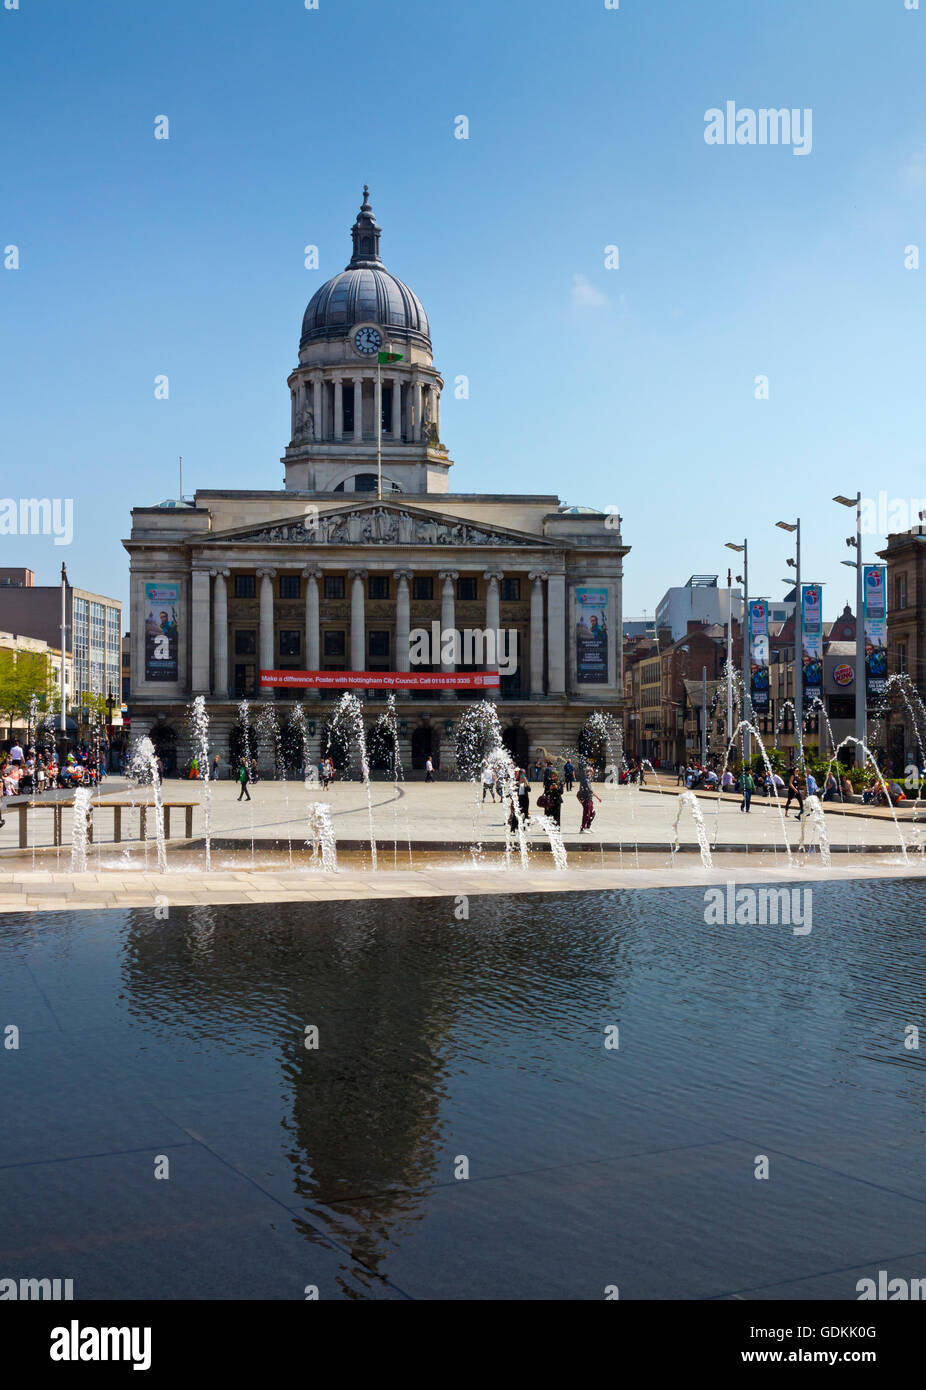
[(812, 642), (758, 655), (875, 602), (383, 680)]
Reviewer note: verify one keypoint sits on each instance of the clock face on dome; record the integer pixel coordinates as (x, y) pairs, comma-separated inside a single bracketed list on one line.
[(368, 341)]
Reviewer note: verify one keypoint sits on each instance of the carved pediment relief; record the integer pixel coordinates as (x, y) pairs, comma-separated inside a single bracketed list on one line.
[(376, 523)]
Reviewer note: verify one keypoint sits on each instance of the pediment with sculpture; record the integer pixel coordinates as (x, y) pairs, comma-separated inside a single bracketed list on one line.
[(376, 524)]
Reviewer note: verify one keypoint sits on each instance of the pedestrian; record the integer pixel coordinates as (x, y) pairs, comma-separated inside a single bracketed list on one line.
[(748, 787), (554, 799), (524, 795), (194, 768), (16, 754), (215, 768), (488, 782), (243, 779), (811, 784), (794, 794), (429, 772), (569, 772), (547, 775), (587, 797), (323, 774)]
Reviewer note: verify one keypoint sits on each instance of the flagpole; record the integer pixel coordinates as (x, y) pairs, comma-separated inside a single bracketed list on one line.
[(379, 429)]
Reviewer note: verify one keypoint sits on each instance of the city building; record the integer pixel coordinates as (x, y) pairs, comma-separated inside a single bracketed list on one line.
[(240, 593), (700, 600), (903, 732), (93, 626), (660, 719), (13, 644)]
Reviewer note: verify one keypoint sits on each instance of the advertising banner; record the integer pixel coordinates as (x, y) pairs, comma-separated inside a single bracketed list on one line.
[(162, 605), (758, 655), (875, 596), (383, 680), (812, 642), (592, 636)]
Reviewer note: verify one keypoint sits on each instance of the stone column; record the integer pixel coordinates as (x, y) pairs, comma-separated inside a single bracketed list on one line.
[(448, 622), (396, 407), (536, 579), (199, 682), (265, 643), (556, 634), (402, 619), (338, 408), (358, 409), (437, 410), (416, 398), (317, 406), (358, 640), (220, 634), (312, 640), (493, 580)]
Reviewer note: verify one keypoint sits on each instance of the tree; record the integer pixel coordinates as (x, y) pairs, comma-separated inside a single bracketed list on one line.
[(22, 676)]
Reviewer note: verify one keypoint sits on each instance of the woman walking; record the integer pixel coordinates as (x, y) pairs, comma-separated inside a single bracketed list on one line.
[(794, 793), (588, 798), (554, 798)]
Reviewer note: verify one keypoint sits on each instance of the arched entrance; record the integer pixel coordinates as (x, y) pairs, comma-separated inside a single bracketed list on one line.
[(381, 747), (164, 739), (425, 744), (517, 744)]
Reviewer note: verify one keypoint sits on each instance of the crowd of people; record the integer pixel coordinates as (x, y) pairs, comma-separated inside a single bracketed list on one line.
[(31, 772), (555, 784)]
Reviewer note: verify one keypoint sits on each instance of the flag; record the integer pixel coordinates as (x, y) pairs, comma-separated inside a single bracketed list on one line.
[(385, 357)]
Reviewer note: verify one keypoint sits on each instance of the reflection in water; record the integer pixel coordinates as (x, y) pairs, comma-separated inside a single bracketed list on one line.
[(404, 998), (485, 1037)]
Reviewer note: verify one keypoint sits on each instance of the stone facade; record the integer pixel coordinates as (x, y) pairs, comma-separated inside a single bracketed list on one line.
[(335, 573)]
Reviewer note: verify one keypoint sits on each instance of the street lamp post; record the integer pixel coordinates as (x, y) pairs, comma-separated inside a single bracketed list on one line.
[(798, 640), (744, 551), (861, 695)]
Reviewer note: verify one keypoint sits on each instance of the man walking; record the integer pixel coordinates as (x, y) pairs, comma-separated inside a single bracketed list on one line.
[(749, 787), (429, 771), (243, 779)]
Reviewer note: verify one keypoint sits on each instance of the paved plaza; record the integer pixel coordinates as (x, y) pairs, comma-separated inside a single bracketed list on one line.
[(433, 839)]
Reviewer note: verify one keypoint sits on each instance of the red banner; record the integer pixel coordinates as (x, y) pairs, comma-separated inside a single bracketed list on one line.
[(388, 680)]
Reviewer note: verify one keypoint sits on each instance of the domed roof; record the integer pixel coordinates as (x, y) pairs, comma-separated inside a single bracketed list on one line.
[(365, 291)]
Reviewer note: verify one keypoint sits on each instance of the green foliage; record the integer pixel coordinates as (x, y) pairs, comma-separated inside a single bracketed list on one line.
[(22, 675)]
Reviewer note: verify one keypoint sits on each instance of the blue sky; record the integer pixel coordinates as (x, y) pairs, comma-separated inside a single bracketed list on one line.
[(631, 388)]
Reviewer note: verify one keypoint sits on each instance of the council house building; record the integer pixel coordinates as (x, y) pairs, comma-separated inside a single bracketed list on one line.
[(258, 593)]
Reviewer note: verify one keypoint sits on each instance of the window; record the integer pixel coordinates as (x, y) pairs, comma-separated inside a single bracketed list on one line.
[(466, 588), (378, 586), (365, 482), (901, 657), (290, 586), (244, 586), (334, 644), (348, 397), (842, 706), (901, 590), (334, 586), (290, 643), (422, 587), (245, 679), (510, 590), (378, 643), (245, 641)]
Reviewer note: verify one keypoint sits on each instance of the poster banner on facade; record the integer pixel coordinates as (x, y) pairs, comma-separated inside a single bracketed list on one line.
[(383, 680), (812, 643), (592, 636), (875, 608), (758, 655), (162, 605)]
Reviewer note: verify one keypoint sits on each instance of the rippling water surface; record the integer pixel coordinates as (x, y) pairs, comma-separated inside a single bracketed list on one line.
[(461, 1128)]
